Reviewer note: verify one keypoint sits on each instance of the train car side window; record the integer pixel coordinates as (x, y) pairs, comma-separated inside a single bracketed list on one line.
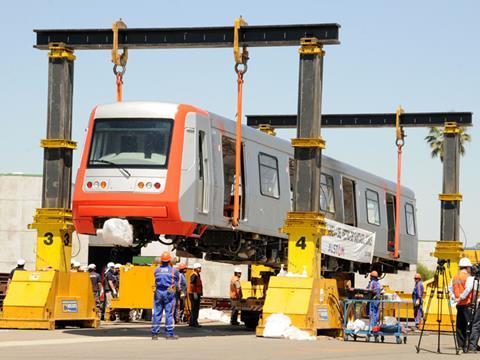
[(268, 170), (410, 219), (327, 202), (373, 207)]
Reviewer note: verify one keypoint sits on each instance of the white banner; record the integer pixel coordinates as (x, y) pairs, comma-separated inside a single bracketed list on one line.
[(348, 242)]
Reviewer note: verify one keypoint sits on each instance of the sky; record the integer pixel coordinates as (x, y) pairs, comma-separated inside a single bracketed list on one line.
[(423, 55)]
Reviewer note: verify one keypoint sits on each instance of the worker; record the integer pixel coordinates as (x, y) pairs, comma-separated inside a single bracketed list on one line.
[(20, 267), (235, 294), (417, 297), (96, 286), (109, 287), (72, 264), (461, 292), (75, 267), (181, 293), (195, 292), (374, 307), (166, 278)]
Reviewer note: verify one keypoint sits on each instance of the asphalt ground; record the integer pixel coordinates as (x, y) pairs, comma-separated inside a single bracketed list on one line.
[(212, 341)]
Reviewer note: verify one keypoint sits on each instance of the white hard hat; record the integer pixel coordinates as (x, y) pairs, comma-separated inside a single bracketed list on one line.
[(21, 262), (117, 266), (110, 265), (237, 270), (72, 261), (76, 264), (197, 266), (465, 262), (92, 266)]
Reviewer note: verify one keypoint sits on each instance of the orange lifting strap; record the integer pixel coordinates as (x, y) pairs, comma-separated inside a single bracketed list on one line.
[(241, 58), (400, 141), (119, 60)]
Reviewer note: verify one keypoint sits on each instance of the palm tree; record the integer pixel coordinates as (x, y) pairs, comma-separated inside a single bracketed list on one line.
[(435, 140)]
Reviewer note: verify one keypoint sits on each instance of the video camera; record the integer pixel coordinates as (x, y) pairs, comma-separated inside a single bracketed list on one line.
[(476, 270)]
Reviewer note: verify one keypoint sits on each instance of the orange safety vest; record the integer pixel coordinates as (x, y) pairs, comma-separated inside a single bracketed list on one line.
[(197, 287), (235, 293), (459, 282)]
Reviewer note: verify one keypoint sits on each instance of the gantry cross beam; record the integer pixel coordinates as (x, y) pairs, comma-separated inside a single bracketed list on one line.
[(188, 37)]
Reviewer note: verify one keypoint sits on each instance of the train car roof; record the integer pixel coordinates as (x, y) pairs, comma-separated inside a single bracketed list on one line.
[(142, 109)]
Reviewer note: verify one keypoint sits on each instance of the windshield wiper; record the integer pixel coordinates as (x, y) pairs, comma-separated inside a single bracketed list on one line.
[(114, 164)]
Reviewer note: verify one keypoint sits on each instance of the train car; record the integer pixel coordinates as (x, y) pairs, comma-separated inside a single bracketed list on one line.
[(169, 169)]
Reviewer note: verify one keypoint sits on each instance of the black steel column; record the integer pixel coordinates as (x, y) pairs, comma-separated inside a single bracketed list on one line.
[(450, 199), (58, 150), (308, 160)]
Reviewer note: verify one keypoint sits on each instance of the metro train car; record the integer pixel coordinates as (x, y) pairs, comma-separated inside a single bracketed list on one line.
[(169, 169)]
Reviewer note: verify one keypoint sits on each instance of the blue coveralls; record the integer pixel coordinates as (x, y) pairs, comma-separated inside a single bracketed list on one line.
[(374, 308), (418, 294), (179, 301), (165, 276)]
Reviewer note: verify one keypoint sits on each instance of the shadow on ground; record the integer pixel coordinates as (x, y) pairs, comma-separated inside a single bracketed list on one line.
[(143, 330)]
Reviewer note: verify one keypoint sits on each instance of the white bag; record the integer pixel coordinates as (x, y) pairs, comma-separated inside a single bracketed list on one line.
[(118, 232)]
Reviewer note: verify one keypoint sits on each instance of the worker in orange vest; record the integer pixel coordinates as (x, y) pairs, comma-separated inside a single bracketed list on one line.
[(235, 293), (461, 288), (195, 292)]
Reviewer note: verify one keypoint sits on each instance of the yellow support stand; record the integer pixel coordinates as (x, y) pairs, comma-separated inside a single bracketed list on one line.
[(51, 295), (452, 252), (310, 301)]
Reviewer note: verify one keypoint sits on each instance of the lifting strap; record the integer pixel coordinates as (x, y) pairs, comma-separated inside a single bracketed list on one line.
[(119, 60), (400, 141), (241, 58)]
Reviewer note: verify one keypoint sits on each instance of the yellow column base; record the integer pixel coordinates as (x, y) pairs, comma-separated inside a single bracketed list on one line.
[(439, 311), (46, 299), (300, 299)]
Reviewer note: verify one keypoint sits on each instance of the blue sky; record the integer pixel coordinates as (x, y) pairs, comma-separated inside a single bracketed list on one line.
[(423, 55)]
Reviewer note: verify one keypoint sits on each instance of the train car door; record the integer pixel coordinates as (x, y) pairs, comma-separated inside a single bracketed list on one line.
[(228, 152), (390, 203), (349, 202), (204, 172)]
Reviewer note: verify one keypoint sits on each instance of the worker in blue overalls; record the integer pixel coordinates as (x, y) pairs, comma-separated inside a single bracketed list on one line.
[(374, 307), (417, 297), (166, 277)]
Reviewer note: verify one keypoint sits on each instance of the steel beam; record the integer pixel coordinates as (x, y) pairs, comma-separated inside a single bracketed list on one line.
[(191, 37), (450, 199), (308, 160), (366, 120), (57, 163)]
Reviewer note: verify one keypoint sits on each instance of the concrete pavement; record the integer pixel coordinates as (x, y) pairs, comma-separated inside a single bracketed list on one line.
[(213, 341)]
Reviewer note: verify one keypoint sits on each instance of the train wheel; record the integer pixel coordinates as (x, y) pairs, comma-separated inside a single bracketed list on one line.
[(399, 340), (382, 338)]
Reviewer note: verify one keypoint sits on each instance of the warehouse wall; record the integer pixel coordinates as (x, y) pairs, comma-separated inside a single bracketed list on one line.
[(20, 195)]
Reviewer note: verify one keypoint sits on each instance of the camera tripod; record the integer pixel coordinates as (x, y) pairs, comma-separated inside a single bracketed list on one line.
[(440, 288)]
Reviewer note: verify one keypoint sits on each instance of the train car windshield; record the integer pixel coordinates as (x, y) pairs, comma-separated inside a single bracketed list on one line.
[(137, 143)]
